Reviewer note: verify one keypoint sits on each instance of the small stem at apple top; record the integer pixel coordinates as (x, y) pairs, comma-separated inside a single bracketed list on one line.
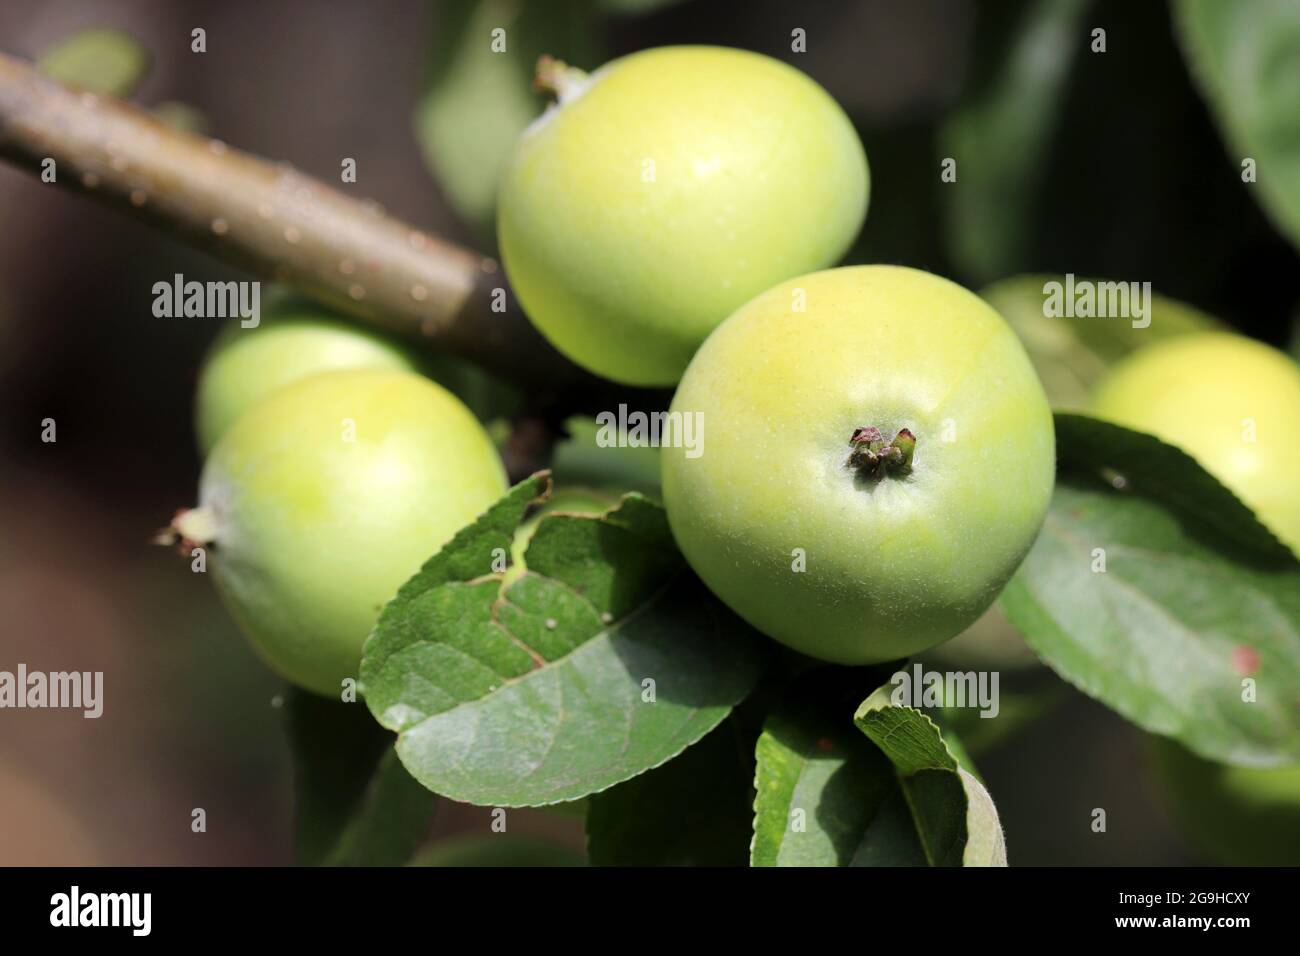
[(556, 77)]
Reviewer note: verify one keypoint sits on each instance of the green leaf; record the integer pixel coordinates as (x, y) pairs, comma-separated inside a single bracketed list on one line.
[(1071, 353), (498, 850), (1000, 135), (100, 60), (692, 811), (826, 796), (953, 814), (604, 659), (1196, 596), (1097, 448), (356, 805), (477, 101), (892, 795), (1243, 57)]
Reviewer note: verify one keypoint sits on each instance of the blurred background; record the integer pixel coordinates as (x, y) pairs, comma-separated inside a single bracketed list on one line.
[(1102, 164)]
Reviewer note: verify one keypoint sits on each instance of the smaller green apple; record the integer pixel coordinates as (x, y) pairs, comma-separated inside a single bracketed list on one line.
[(323, 499), (295, 338), (1230, 402)]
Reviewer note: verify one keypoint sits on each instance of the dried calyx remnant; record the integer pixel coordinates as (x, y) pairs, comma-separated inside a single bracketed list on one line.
[(556, 77), (874, 457), (190, 528)]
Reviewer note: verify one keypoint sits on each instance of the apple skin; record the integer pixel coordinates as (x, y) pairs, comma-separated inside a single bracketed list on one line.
[(294, 339), (1242, 816), (1198, 392), (312, 534), (893, 566), (758, 176)]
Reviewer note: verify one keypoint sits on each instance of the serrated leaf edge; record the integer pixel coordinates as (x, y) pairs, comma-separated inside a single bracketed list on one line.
[(873, 705)]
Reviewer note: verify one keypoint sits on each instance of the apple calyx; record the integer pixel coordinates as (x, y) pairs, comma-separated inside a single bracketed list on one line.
[(564, 82), (190, 528), (873, 457)]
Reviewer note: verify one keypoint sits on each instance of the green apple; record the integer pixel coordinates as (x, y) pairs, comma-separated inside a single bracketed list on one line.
[(321, 501), (294, 339), (1243, 816), (666, 189), (1231, 403), (878, 457)]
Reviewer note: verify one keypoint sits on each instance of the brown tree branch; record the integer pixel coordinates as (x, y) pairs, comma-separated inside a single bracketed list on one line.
[(278, 223)]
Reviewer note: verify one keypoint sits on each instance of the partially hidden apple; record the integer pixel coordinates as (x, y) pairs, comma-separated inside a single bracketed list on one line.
[(294, 339), (1230, 402), (322, 500)]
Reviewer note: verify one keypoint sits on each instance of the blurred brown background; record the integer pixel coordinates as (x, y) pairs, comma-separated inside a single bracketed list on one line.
[(191, 718)]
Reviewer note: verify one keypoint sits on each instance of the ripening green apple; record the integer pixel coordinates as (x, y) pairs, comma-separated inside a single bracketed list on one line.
[(1243, 816), (877, 459), (294, 339), (666, 189), (321, 501), (1230, 402)]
